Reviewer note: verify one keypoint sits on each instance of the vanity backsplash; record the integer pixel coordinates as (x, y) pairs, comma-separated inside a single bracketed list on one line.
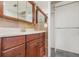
[(14, 24)]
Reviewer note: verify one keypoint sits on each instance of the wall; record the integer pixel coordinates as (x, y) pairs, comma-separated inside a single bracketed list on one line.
[(67, 26), (52, 26), (16, 24)]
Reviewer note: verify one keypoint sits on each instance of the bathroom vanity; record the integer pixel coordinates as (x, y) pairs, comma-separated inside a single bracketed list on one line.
[(30, 44), (26, 43)]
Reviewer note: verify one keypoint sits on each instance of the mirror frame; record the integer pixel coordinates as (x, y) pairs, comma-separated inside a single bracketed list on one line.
[(33, 11), (39, 10), (17, 19)]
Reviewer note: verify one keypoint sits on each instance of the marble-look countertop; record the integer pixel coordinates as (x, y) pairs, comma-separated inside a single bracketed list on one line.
[(6, 32)]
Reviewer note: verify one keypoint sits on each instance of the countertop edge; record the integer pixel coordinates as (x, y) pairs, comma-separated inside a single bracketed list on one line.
[(22, 33)]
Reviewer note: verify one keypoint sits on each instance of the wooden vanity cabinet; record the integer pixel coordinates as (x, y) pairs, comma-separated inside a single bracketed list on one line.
[(31, 49), (13, 46), (41, 51), (1, 8), (32, 45), (41, 45), (9, 42), (35, 45), (18, 51)]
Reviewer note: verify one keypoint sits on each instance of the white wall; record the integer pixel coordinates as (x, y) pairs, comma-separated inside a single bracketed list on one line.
[(67, 27), (49, 29), (52, 32), (67, 39), (67, 15), (52, 26)]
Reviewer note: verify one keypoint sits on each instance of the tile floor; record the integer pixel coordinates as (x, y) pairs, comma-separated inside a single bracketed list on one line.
[(62, 53)]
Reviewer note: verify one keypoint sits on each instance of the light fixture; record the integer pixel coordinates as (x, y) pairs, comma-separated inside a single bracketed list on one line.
[(45, 25)]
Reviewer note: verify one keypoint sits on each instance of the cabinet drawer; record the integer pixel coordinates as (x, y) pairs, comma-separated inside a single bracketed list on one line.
[(32, 37), (18, 51), (42, 34), (32, 43), (42, 37), (9, 42)]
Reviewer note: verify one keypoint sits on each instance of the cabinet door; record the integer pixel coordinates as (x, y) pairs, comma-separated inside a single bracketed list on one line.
[(18, 51), (31, 49), (0, 46), (41, 47), (1, 8), (41, 51), (32, 37)]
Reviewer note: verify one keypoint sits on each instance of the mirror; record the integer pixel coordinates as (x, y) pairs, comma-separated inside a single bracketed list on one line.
[(25, 11), (29, 12), (10, 8), (21, 10), (40, 18)]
